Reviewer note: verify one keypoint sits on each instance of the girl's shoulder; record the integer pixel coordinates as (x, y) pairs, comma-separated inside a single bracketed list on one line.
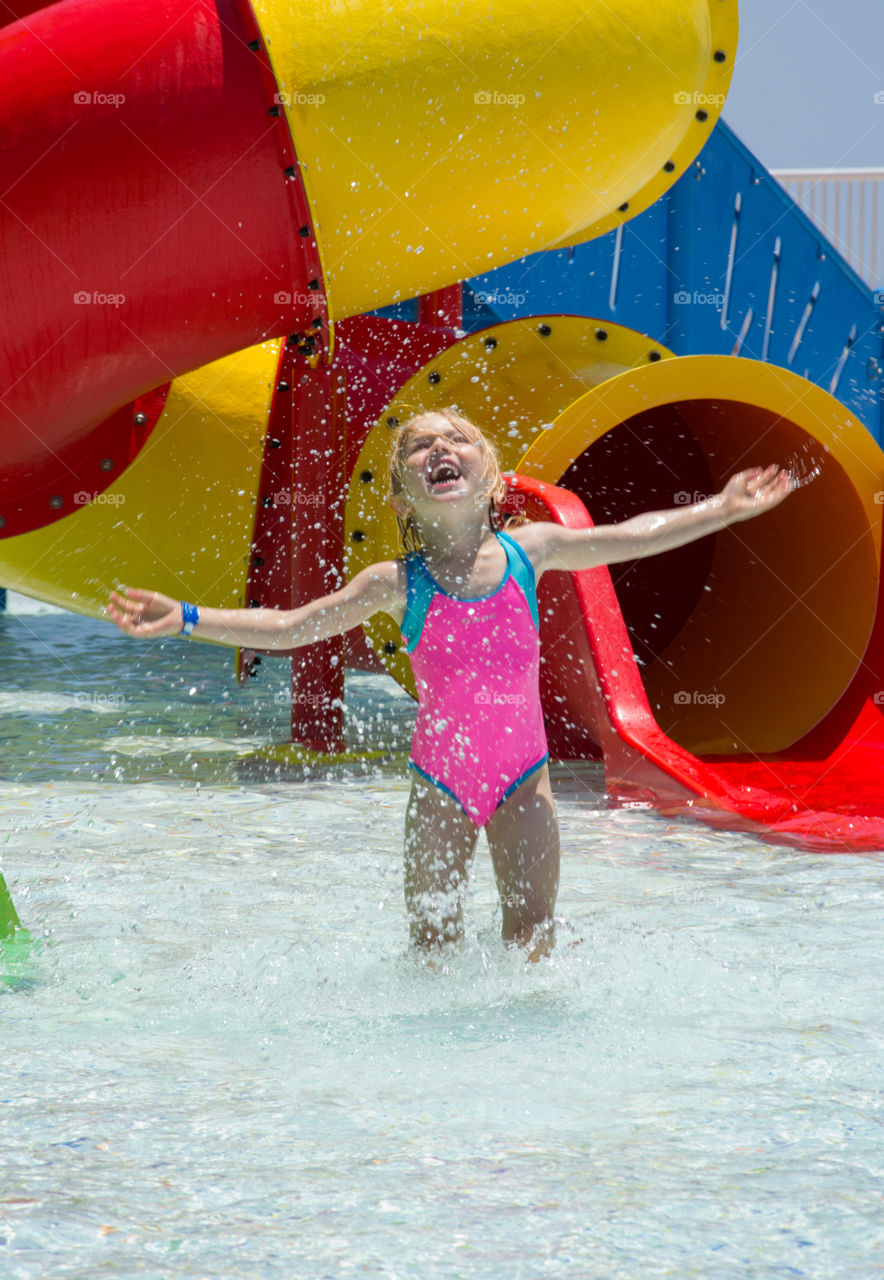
[(529, 534), (534, 539), (386, 583), (394, 572), (384, 579)]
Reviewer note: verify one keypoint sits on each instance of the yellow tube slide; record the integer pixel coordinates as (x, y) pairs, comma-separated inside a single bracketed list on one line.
[(439, 140)]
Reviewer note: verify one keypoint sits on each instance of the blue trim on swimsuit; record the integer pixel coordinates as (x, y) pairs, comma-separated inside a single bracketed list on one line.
[(436, 783), (521, 778), (523, 571), (509, 791), (421, 589), (422, 586)]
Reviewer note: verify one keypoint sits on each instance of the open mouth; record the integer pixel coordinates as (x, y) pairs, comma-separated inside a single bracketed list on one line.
[(444, 474)]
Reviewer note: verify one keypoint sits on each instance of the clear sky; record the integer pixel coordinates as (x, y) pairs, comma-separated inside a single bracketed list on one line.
[(803, 92)]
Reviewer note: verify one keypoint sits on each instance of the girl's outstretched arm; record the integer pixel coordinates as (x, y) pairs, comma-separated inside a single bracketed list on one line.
[(746, 495), (148, 614)]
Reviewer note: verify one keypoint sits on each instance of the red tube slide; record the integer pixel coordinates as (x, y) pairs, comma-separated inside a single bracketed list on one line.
[(138, 243)]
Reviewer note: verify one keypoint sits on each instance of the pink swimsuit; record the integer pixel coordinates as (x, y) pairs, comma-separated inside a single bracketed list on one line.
[(479, 730)]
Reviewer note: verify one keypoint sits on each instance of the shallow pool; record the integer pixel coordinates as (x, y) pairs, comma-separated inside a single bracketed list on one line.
[(219, 1061)]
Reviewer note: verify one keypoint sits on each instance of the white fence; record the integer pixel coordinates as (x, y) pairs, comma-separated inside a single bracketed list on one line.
[(847, 206)]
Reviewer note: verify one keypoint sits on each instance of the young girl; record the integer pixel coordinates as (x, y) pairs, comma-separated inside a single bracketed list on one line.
[(465, 600)]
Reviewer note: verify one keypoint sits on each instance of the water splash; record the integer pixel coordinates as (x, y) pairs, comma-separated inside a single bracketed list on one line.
[(805, 465)]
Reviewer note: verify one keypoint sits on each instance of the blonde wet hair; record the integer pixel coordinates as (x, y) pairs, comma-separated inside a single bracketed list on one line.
[(492, 476)]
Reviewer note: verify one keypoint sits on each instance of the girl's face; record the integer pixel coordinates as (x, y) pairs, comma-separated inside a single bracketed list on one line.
[(442, 463)]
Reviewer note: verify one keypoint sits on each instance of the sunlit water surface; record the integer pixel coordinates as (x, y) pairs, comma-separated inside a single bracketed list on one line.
[(219, 1061)]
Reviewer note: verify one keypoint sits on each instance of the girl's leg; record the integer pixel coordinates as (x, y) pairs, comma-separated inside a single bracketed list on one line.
[(439, 843), (523, 835)]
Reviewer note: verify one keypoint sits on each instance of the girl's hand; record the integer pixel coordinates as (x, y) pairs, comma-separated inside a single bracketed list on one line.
[(145, 613), (749, 493)]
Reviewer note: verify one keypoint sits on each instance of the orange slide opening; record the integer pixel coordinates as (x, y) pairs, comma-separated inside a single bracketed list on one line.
[(757, 682)]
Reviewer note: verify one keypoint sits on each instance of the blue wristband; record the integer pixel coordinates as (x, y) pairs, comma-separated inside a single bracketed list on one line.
[(191, 615)]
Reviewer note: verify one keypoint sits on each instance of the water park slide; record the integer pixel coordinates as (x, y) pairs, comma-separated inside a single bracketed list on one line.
[(828, 796), (824, 793), (763, 705), (184, 180)]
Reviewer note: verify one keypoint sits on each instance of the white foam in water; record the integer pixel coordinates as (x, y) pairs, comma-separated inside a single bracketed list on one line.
[(24, 702), (220, 1060), (25, 606), (170, 745)]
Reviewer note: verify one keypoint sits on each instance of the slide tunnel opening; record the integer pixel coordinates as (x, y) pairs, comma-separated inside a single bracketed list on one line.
[(747, 638)]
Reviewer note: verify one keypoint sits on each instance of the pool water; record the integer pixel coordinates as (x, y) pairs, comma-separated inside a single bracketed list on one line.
[(219, 1060)]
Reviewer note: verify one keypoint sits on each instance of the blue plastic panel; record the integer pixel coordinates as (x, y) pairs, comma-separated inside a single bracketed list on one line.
[(726, 263)]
